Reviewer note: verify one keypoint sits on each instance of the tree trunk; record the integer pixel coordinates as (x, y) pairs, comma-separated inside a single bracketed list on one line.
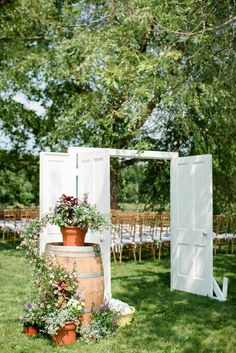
[(115, 171)]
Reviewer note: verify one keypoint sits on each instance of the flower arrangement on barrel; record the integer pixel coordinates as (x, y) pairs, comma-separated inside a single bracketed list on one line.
[(57, 300), (56, 308), (74, 217)]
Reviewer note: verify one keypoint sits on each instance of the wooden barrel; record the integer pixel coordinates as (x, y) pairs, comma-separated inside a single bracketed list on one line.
[(89, 266)]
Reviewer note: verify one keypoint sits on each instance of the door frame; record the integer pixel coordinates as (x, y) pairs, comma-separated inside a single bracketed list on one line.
[(155, 155)]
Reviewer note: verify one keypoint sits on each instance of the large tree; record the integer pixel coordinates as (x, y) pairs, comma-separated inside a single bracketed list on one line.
[(124, 74)]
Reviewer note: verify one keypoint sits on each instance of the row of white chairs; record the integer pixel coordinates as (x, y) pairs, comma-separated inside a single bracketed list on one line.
[(12, 221), (138, 232), (150, 231)]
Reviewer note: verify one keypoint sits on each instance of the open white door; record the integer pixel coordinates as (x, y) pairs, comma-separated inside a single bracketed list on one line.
[(55, 180), (191, 225), (92, 176)]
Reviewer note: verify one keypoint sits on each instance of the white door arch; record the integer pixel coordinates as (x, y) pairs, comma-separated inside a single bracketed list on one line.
[(88, 170)]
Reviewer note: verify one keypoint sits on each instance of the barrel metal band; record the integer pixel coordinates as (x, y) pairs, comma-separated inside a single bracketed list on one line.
[(88, 310), (58, 246), (90, 275), (72, 255)]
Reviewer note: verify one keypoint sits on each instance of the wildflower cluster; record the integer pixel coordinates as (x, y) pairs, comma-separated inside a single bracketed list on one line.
[(56, 289), (104, 324), (32, 314)]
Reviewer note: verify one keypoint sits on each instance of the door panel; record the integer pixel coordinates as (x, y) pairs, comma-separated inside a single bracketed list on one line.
[(55, 180), (191, 230), (93, 177)]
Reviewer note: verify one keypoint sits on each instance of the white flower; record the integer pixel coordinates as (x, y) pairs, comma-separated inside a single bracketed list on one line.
[(119, 306), (72, 302)]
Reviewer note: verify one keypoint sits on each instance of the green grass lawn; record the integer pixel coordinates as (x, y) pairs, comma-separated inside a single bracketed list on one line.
[(165, 321)]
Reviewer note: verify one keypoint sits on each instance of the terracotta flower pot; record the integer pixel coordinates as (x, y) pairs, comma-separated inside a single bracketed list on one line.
[(30, 330), (73, 236), (65, 335)]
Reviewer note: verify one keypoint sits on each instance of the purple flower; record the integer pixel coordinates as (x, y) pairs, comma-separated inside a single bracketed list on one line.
[(28, 306)]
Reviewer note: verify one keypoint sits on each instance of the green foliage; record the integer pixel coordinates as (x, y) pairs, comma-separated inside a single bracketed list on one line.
[(156, 194), (57, 298), (129, 186), (123, 74), (146, 183), (19, 178), (103, 325)]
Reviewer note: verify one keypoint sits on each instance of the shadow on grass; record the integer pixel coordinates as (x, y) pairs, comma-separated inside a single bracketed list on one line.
[(10, 248), (8, 245), (176, 319), (225, 264)]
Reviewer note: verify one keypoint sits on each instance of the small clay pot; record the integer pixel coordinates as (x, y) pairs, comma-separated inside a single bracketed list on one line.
[(30, 330), (65, 335), (73, 236)]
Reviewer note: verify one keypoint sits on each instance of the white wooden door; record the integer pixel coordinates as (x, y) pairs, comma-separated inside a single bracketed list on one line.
[(191, 225), (93, 178), (55, 180), (92, 175)]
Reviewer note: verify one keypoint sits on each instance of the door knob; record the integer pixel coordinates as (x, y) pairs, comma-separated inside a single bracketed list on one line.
[(204, 234)]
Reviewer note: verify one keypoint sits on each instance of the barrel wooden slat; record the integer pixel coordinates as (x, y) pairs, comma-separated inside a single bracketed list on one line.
[(88, 263)]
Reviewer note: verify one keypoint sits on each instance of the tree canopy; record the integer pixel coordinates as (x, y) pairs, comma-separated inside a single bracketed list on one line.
[(138, 74)]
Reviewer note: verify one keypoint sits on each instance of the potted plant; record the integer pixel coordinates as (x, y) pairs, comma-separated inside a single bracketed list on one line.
[(63, 303), (58, 304), (58, 307), (61, 323), (31, 318), (75, 217)]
